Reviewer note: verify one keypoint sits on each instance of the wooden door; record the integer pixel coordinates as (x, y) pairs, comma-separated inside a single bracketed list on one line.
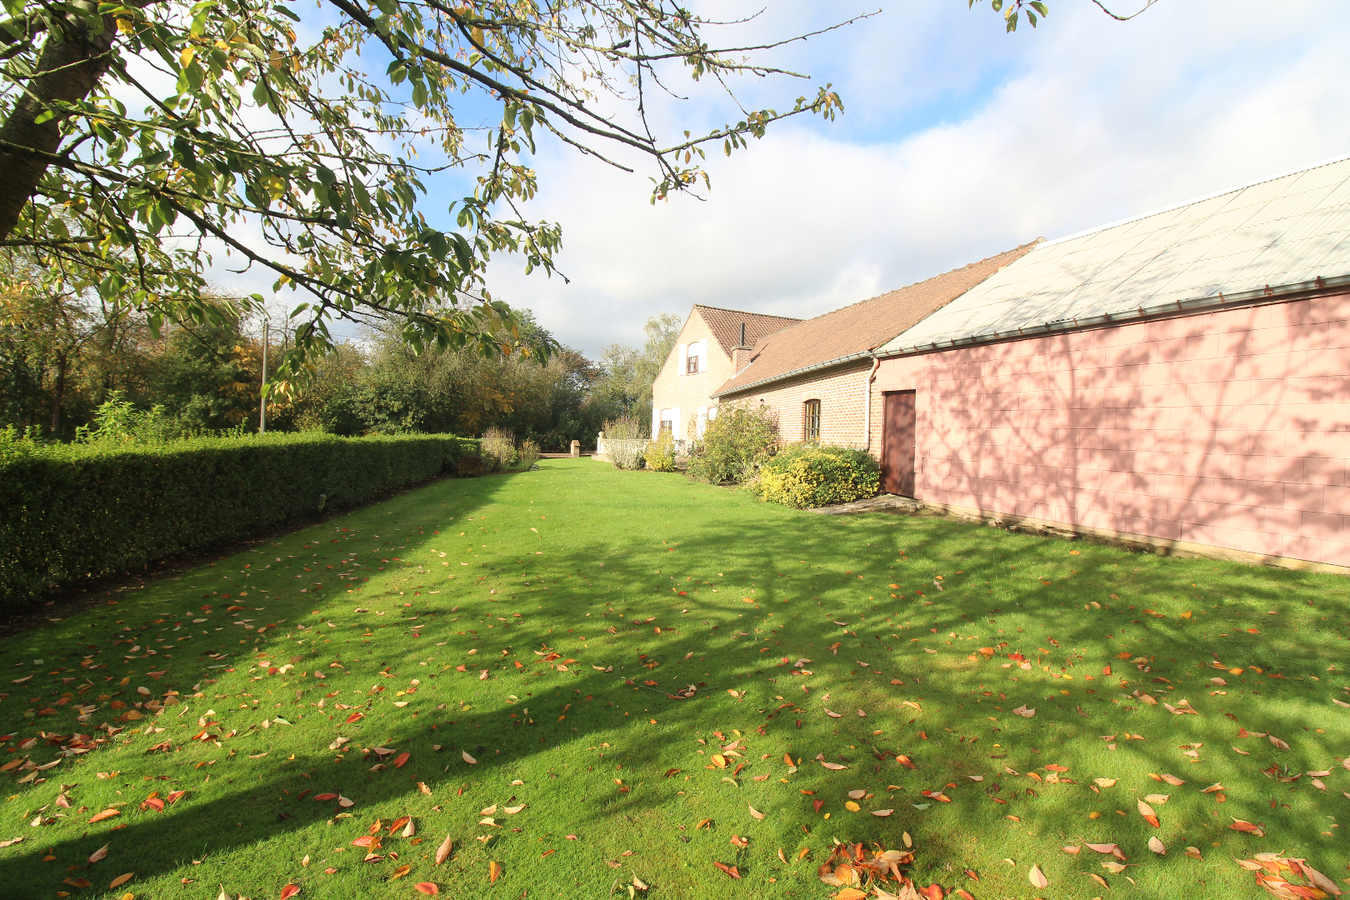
[(897, 443)]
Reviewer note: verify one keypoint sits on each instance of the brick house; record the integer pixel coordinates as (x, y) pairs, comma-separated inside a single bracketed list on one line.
[(816, 374), (1181, 379), (711, 348)]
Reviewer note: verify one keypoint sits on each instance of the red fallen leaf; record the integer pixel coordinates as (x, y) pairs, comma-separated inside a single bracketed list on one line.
[(289, 891), (964, 894), (325, 796), (1248, 827), (932, 892), (175, 796), (153, 803), (905, 761), (78, 882), (398, 823), (730, 870), (817, 804), (427, 887), (354, 717), (368, 841), (400, 760), (461, 668)]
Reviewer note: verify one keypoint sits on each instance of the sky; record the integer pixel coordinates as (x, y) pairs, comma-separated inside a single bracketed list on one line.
[(958, 141)]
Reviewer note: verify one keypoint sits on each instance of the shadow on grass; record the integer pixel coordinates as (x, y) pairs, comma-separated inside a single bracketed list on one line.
[(850, 565)]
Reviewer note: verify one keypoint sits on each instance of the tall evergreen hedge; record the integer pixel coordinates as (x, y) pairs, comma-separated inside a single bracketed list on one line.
[(69, 512)]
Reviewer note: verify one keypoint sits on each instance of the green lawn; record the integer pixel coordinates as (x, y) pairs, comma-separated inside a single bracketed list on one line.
[(538, 623)]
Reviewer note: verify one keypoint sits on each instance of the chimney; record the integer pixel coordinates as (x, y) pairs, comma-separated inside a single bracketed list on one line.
[(742, 334)]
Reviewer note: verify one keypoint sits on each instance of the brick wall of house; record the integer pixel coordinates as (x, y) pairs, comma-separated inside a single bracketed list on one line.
[(842, 403), (1228, 429), (673, 389)]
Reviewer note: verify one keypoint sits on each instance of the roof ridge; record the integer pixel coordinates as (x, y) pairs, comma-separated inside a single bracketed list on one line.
[(915, 284), (1200, 199), (746, 312)]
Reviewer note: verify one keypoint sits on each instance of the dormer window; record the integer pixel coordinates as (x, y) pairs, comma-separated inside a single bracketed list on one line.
[(691, 365)]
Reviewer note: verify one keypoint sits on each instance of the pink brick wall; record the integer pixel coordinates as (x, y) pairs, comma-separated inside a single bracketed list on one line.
[(1229, 429)]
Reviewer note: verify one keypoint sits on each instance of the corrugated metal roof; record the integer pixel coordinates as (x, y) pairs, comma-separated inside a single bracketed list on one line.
[(1283, 231)]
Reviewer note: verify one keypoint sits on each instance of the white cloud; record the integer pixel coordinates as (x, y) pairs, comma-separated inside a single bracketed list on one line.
[(1039, 134)]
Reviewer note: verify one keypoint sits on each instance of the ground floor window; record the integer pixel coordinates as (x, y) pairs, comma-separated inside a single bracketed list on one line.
[(811, 432)]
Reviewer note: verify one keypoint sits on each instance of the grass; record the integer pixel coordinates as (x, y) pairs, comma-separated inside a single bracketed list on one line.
[(536, 622)]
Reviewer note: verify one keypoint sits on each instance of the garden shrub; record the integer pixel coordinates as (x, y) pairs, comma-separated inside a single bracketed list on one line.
[(498, 449), (734, 443), (624, 443), (808, 475), (71, 511), (660, 454), (528, 455), (471, 465)]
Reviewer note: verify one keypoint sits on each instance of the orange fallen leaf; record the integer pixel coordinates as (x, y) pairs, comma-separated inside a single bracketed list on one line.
[(755, 813), (1037, 878), (731, 871), (400, 760), (494, 871), (443, 851), (289, 891), (427, 887), (106, 814), (400, 872), (120, 880)]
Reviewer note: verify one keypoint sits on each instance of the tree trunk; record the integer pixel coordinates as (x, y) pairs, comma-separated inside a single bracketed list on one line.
[(72, 61), (59, 394)]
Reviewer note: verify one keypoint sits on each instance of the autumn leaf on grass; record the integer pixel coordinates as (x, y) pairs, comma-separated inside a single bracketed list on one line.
[(755, 813), (427, 887), (106, 814), (98, 854), (400, 872), (732, 871), (850, 893), (443, 851), (1037, 878), (467, 758), (401, 759), (1247, 827), (1149, 815), (289, 891), (1024, 712), (494, 871), (1157, 846), (1173, 780), (833, 767)]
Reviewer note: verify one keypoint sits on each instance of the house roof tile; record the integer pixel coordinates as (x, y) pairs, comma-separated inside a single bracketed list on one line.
[(1280, 235), (725, 325), (856, 330)]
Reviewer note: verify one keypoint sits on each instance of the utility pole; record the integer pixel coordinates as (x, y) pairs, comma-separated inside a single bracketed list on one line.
[(262, 404)]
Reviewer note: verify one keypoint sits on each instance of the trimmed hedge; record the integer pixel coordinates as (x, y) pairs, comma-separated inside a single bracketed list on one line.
[(69, 512), (806, 476)]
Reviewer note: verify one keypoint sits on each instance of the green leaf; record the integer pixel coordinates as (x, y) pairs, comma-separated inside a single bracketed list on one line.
[(45, 116), (1040, 7)]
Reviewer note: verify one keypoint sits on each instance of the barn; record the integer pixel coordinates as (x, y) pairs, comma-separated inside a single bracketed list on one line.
[(1180, 379)]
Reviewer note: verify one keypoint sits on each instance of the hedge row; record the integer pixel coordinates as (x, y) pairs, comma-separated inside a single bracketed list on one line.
[(69, 512)]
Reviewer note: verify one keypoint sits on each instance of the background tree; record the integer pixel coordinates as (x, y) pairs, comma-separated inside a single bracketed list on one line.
[(138, 138), (627, 373)]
